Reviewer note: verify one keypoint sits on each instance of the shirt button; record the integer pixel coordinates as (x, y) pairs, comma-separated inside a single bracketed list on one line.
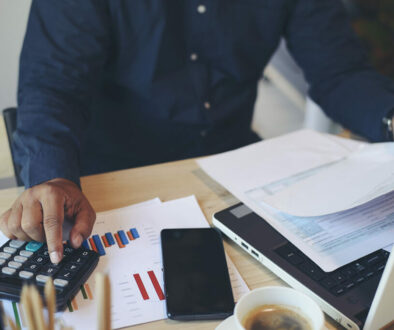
[(201, 9), (193, 57), (207, 105)]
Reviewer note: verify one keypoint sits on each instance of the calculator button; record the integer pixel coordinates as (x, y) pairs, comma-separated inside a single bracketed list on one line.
[(8, 271), (60, 282), (5, 255), (25, 274), (2, 261), (10, 250), (49, 270), (42, 278), (32, 267), (40, 260), (84, 254), (65, 274), (14, 264), (72, 267), (25, 253), (33, 246), (16, 243), (67, 250), (78, 260), (44, 253), (20, 259)]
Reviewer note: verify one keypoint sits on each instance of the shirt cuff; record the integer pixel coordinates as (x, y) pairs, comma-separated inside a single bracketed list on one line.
[(49, 165)]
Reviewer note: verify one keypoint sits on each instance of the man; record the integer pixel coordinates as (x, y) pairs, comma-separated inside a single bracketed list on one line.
[(111, 84)]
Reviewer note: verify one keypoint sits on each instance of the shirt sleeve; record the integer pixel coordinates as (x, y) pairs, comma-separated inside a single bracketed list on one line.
[(64, 51), (320, 38)]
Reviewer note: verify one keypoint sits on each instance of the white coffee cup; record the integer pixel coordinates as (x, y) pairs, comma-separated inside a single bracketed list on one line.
[(277, 295)]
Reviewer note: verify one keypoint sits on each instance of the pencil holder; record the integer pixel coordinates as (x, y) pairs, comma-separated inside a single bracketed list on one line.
[(38, 318)]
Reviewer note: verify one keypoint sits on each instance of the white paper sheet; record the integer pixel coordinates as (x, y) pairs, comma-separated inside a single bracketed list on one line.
[(244, 171), (67, 224), (354, 180), (271, 160)]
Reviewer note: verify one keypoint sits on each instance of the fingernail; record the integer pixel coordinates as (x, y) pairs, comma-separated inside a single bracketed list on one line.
[(78, 240), (55, 257)]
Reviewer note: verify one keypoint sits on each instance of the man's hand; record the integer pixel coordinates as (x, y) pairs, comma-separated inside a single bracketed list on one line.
[(38, 214)]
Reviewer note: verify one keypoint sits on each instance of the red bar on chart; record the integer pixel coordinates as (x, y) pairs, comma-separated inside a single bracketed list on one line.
[(120, 244), (141, 286), (156, 284), (92, 244), (130, 236), (104, 239)]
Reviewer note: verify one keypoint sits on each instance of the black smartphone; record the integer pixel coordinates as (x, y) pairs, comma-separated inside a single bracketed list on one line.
[(196, 279)]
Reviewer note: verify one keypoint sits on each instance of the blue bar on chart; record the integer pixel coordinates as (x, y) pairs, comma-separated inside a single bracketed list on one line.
[(99, 245), (123, 237), (134, 232), (110, 238), (85, 244)]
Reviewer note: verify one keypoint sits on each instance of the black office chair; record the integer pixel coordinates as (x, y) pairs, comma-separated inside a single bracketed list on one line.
[(10, 116)]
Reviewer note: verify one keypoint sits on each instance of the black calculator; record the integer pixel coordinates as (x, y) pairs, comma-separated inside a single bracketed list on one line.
[(28, 262)]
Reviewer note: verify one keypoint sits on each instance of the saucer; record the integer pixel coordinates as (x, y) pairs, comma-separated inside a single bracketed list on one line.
[(227, 324)]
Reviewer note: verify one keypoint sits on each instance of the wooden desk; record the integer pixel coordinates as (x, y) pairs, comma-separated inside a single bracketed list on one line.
[(169, 181)]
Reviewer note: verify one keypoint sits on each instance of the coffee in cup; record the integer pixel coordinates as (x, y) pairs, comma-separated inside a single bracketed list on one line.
[(277, 307), (274, 317)]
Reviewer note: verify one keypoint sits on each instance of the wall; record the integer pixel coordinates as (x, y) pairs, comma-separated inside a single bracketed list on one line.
[(13, 19)]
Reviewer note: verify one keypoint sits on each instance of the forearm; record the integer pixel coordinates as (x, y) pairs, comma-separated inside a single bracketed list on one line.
[(358, 100), (342, 83), (60, 66)]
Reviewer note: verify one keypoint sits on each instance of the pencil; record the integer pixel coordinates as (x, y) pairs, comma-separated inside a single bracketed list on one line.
[(104, 301), (37, 308), (11, 324), (50, 298), (27, 308)]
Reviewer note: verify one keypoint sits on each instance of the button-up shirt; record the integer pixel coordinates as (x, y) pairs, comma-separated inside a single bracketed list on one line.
[(111, 84)]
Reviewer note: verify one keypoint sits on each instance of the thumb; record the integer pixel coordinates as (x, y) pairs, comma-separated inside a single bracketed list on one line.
[(84, 221)]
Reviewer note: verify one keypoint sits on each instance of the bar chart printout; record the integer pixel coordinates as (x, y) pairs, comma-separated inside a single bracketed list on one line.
[(133, 261), (121, 239)]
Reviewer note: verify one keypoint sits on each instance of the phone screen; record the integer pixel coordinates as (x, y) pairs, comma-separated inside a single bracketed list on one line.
[(196, 279)]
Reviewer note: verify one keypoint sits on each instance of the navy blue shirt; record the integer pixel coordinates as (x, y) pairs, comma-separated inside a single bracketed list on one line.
[(111, 84)]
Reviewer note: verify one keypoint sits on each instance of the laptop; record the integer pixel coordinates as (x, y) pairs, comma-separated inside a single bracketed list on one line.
[(351, 295)]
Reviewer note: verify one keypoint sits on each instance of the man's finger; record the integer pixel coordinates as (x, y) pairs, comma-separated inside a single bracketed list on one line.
[(84, 221), (53, 216), (32, 221), (4, 224), (14, 223)]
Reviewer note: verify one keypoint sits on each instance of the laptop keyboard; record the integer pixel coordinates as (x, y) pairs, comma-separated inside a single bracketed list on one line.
[(343, 279)]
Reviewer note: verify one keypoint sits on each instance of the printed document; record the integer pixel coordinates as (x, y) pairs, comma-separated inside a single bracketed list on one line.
[(356, 179), (313, 169)]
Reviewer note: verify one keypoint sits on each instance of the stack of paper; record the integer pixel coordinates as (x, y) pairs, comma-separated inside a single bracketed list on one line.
[(333, 198), (133, 263)]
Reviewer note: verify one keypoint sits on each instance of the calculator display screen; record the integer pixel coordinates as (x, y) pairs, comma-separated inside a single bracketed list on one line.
[(197, 282)]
